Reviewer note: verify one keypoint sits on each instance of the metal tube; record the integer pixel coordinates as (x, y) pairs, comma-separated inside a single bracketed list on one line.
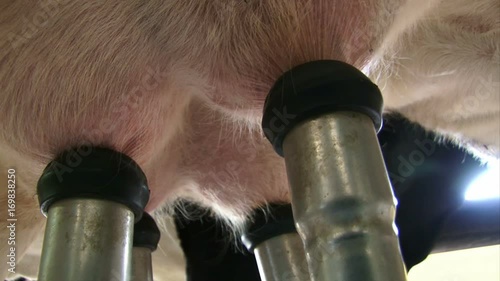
[(87, 239), (282, 258), (342, 200), (142, 268)]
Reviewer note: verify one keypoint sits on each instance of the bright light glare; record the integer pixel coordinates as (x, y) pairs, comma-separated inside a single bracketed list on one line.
[(486, 185)]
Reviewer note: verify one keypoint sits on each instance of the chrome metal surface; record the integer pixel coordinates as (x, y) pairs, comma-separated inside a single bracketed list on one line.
[(342, 200), (142, 266), (87, 239), (282, 258)]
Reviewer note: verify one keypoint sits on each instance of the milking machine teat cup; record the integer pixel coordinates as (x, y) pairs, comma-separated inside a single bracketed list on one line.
[(91, 208), (323, 118)]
